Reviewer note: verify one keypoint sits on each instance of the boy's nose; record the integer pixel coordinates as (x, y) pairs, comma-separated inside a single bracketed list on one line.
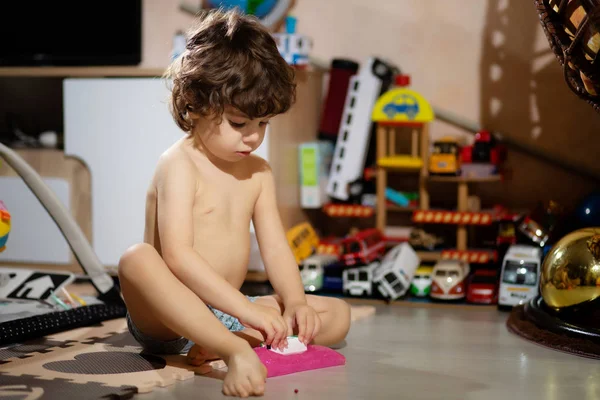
[(250, 138)]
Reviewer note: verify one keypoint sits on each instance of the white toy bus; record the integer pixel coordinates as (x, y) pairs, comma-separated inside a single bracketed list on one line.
[(395, 273), (358, 281), (352, 143), (520, 275)]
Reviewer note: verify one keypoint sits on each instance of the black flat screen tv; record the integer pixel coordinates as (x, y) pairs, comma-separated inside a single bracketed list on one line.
[(70, 32)]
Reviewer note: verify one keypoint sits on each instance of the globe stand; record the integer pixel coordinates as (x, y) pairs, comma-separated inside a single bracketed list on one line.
[(574, 330)]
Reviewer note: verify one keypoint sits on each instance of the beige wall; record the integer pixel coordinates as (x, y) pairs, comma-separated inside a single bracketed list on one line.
[(485, 60)]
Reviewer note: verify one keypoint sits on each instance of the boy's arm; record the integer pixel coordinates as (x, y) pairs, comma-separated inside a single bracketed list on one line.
[(177, 186), (280, 263)]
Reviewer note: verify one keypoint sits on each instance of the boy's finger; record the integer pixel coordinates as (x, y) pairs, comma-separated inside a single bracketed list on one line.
[(284, 329), (310, 326), (301, 320), (270, 334), (289, 321), (277, 335)]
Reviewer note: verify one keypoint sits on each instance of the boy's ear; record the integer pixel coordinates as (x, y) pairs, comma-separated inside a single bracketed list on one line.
[(190, 113)]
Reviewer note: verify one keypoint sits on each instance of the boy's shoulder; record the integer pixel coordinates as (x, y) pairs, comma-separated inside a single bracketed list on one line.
[(257, 164), (173, 161), (173, 155)]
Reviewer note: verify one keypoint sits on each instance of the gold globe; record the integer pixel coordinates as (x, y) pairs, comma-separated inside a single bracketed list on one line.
[(571, 270)]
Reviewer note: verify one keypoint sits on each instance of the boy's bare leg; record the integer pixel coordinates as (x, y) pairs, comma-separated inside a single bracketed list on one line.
[(199, 355), (334, 314), (165, 309)]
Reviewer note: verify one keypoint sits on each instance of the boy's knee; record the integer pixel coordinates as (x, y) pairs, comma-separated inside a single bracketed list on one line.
[(133, 258), (341, 310), (344, 312)]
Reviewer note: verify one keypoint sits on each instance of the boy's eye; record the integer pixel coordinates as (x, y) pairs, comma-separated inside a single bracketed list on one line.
[(237, 124), (263, 123)]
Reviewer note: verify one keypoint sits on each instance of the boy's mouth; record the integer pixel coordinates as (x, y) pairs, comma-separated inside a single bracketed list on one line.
[(243, 153)]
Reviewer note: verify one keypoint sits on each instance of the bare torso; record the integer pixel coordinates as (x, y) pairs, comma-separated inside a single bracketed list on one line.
[(222, 211)]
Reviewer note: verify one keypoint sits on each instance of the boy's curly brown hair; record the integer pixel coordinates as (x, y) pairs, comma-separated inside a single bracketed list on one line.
[(231, 59)]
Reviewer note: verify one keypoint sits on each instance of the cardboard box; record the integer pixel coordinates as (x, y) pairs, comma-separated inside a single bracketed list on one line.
[(315, 163)]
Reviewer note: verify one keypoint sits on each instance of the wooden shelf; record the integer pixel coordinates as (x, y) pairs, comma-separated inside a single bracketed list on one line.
[(457, 179), (80, 72)]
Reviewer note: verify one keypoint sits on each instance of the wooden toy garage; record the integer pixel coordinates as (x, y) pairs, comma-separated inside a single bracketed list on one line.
[(396, 110)]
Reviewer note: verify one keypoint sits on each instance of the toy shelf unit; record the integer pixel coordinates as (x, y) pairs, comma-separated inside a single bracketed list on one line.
[(401, 111)]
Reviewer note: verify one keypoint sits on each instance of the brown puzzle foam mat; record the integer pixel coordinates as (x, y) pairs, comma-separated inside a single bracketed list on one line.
[(100, 361), (87, 363)]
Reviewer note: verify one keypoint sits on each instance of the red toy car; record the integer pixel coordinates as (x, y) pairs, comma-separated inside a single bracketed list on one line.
[(363, 248), (483, 287)]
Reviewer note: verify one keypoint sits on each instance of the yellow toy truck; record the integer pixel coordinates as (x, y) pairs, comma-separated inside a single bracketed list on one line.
[(303, 241), (445, 157)]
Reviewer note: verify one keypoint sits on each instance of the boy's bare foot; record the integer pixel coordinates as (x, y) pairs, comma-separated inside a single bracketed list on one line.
[(246, 375), (199, 355)]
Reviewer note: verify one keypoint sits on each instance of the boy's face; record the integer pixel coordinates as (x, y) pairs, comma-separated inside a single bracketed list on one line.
[(234, 137)]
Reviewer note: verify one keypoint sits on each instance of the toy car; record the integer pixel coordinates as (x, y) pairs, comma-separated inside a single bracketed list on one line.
[(333, 277), (303, 240), (396, 270), (312, 270), (506, 233), (448, 280), (363, 247), (483, 287), (445, 159), (359, 281), (421, 282), (519, 279)]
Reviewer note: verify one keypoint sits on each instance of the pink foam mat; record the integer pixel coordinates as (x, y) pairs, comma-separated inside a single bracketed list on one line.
[(315, 357)]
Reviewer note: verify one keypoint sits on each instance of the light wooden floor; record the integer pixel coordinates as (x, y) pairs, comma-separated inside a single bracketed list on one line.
[(416, 352)]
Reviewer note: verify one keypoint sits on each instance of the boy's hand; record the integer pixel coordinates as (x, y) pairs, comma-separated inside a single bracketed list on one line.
[(269, 322), (305, 318)]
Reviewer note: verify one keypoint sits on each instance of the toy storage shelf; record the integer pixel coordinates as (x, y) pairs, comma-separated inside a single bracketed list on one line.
[(79, 71)]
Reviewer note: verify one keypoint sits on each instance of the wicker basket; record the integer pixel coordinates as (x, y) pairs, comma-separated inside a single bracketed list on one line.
[(573, 31)]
